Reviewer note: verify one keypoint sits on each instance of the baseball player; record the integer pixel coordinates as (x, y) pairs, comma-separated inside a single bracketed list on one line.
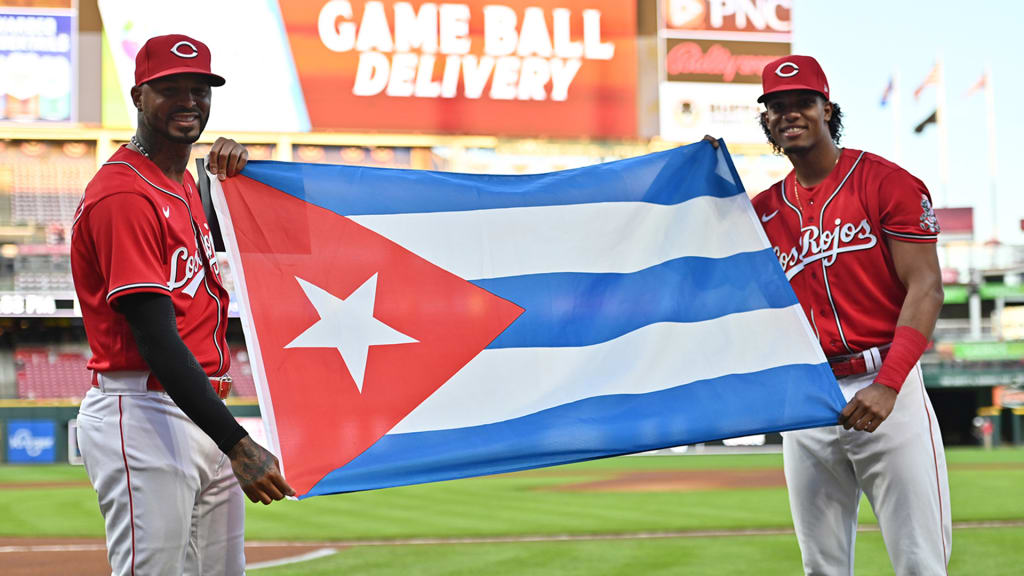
[(856, 237), (160, 447)]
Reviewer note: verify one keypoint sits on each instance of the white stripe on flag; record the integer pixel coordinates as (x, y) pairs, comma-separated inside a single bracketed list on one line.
[(603, 237), (504, 383)]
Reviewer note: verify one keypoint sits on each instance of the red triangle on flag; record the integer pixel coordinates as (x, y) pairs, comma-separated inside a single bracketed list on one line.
[(323, 420)]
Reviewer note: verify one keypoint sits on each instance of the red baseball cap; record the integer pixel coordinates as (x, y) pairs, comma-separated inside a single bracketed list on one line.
[(173, 54), (793, 73)]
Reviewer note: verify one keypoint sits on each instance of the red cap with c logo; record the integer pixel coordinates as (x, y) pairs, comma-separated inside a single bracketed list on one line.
[(793, 73), (173, 54)]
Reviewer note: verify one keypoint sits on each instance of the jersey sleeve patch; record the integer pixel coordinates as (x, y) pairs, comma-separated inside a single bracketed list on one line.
[(929, 223)]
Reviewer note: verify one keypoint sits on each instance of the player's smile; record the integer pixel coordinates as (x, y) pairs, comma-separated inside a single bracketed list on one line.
[(793, 132), (186, 119)]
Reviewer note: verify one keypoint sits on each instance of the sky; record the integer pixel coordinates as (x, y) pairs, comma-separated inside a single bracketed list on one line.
[(862, 43)]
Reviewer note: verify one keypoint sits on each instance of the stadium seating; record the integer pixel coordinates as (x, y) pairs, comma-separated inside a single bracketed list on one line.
[(36, 207), (34, 282), (44, 373)]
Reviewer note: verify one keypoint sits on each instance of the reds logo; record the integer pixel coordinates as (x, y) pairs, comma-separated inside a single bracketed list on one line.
[(787, 69), (185, 49), (825, 245)]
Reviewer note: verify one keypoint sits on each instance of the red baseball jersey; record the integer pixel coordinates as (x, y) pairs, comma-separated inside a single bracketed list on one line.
[(831, 241), (138, 231)]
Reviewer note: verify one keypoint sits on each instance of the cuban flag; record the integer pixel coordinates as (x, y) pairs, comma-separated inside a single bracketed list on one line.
[(410, 326)]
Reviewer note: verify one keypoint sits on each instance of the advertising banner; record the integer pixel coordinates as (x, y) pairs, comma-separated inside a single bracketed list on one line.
[(547, 67), (765, 20), (717, 61), (37, 62), (555, 68), (31, 441), (1008, 396), (689, 110), (712, 53)]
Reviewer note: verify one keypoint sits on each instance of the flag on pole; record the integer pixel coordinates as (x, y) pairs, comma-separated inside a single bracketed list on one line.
[(979, 85), (933, 78), (931, 119), (411, 326), (887, 93)]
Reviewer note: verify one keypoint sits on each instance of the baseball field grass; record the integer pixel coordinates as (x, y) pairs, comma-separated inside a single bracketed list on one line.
[(708, 514)]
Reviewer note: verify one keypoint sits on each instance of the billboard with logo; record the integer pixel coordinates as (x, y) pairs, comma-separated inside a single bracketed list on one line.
[(765, 20), (556, 68), (31, 441), (37, 61), (712, 54)]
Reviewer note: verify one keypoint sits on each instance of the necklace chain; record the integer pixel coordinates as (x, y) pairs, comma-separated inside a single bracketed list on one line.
[(796, 192), (138, 144)]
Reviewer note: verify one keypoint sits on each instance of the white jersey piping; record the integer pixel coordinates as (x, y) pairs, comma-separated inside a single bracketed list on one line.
[(824, 269)]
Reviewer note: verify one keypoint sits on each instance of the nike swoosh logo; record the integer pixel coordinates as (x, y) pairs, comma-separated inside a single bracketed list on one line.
[(767, 217), (167, 211)]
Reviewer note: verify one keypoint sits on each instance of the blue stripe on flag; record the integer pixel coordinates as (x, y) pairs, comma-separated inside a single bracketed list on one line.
[(577, 309), (668, 177), (802, 396)]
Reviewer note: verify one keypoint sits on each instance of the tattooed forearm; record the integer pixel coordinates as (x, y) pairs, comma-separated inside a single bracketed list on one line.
[(257, 472), (250, 462)]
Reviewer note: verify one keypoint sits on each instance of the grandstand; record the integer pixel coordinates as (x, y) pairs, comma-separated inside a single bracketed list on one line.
[(59, 373), (47, 373)]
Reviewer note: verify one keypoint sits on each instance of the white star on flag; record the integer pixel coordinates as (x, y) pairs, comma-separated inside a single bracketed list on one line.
[(347, 325)]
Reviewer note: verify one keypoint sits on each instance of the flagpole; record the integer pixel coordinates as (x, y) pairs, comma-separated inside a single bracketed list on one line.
[(897, 125), (940, 122), (990, 118)]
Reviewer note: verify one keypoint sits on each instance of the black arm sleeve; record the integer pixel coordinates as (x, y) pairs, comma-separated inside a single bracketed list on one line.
[(151, 317)]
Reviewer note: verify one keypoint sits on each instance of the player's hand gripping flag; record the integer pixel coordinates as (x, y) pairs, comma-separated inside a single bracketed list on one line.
[(410, 326)]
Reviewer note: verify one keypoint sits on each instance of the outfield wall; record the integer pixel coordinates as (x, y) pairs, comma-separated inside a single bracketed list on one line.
[(51, 445), (955, 412)]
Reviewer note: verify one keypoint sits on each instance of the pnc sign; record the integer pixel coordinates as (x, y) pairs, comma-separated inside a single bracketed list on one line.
[(729, 17)]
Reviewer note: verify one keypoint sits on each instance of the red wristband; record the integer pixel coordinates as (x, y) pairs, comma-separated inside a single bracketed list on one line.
[(907, 347)]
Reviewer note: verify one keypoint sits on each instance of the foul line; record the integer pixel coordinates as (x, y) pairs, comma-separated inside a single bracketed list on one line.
[(328, 545), (612, 536), (320, 553)]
